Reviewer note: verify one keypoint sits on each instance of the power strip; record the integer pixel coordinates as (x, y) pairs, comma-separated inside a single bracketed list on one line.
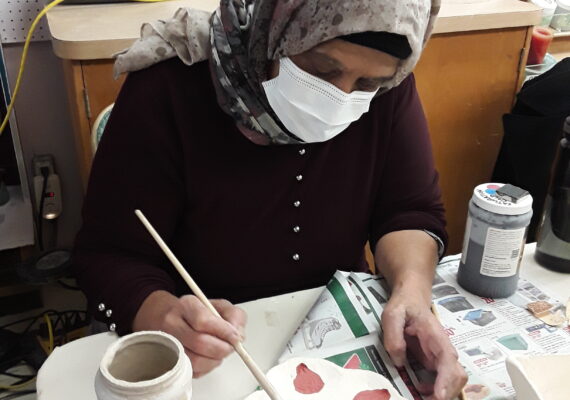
[(52, 196)]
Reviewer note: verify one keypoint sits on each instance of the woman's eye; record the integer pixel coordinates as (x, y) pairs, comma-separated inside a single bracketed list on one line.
[(368, 86), (326, 75)]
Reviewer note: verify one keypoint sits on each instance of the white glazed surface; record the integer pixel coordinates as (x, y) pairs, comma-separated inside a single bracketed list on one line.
[(134, 358), (540, 377), (340, 383)]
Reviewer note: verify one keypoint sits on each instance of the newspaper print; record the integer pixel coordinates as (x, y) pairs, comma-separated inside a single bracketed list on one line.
[(486, 331), (344, 326)]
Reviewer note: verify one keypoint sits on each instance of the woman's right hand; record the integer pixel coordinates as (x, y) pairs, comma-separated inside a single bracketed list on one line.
[(206, 338)]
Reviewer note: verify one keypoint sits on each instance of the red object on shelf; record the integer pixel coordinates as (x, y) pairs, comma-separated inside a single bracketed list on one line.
[(541, 39)]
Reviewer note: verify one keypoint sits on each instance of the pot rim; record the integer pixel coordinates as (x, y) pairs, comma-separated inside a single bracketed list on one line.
[(159, 337)]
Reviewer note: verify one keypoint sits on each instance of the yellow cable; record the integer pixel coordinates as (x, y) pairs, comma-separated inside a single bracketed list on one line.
[(50, 349), (23, 61), (18, 386), (50, 333), (25, 56)]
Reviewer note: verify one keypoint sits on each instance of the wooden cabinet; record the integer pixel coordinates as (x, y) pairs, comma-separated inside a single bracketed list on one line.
[(91, 88), (467, 81)]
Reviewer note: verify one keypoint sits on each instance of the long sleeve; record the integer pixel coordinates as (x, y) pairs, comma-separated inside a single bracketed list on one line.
[(138, 166), (409, 196)]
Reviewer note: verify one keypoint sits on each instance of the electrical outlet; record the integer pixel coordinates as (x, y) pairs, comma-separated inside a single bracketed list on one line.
[(44, 160), (45, 177)]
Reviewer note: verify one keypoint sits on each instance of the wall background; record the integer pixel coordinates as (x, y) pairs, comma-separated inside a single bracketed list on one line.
[(45, 126)]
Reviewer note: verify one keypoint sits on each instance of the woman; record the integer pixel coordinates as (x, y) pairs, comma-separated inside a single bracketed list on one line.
[(266, 169)]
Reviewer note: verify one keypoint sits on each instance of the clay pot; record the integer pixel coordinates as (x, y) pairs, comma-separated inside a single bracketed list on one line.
[(145, 366)]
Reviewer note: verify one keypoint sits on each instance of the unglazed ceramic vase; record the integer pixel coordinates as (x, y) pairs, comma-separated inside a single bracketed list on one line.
[(145, 366), (316, 379), (541, 377)]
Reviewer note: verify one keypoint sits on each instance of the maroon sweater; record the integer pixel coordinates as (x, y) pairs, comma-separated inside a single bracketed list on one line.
[(248, 221)]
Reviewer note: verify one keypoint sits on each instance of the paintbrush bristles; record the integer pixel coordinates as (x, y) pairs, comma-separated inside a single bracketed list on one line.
[(249, 362)]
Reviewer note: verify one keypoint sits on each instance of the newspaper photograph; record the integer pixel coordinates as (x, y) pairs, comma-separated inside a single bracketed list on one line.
[(344, 326)]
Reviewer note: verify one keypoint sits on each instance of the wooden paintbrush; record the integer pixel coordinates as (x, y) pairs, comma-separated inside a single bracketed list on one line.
[(462, 395), (249, 362)]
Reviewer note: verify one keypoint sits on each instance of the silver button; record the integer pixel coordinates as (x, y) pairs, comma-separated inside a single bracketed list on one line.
[(296, 257), (296, 229), (299, 178), (101, 307), (297, 204), (108, 313), (113, 327), (302, 152)]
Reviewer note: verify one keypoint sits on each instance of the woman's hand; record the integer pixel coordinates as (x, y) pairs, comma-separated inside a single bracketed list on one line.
[(206, 338), (410, 327), (407, 259)]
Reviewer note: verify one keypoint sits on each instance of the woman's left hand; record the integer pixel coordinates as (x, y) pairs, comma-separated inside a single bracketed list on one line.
[(410, 326)]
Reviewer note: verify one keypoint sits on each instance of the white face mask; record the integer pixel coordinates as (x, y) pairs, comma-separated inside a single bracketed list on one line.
[(312, 109)]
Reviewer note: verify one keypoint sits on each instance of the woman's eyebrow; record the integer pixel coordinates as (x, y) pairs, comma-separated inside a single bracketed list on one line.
[(322, 57)]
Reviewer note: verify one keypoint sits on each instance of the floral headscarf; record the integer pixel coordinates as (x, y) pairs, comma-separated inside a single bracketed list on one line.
[(242, 37)]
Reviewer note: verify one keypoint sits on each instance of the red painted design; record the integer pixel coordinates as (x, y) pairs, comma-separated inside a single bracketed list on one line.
[(378, 394), (307, 381)]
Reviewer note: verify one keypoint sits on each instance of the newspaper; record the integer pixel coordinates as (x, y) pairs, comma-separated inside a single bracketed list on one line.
[(344, 326)]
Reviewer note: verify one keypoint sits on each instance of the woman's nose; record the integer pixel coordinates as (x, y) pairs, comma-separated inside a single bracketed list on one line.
[(346, 84)]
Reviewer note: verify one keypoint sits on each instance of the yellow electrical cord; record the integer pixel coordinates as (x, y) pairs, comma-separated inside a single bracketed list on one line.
[(50, 349), (18, 386), (50, 333), (23, 61), (25, 56)]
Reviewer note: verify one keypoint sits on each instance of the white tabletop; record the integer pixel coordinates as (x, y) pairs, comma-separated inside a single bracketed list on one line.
[(69, 372)]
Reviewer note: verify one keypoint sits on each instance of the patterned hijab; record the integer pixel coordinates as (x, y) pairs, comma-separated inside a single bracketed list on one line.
[(242, 37)]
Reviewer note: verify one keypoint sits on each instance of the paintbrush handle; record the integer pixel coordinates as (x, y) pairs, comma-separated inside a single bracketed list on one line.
[(257, 372), (462, 395), (247, 359)]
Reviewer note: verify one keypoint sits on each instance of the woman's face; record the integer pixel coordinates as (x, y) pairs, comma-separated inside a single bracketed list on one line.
[(346, 65)]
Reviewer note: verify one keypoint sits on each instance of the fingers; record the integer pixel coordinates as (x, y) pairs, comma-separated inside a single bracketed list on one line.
[(451, 378), (425, 388), (201, 365), (393, 323), (200, 343), (439, 352), (414, 347), (234, 315), (203, 321)]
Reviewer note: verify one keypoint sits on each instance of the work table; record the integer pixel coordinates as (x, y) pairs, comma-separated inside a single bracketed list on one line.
[(90, 32), (69, 372)]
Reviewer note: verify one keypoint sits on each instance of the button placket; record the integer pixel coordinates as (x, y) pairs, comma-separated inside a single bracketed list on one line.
[(108, 314), (302, 152)]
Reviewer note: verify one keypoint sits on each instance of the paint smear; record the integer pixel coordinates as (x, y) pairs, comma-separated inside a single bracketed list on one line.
[(307, 381), (379, 394), (353, 362)]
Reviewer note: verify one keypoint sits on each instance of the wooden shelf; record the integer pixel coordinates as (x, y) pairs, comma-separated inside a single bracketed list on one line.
[(91, 32)]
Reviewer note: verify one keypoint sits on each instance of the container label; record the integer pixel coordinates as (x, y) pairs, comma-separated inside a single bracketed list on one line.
[(466, 239), (503, 252)]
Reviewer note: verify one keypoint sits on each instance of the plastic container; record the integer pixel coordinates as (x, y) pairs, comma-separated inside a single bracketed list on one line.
[(553, 244), (494, 240), (561, 19), (548, 9), (145, 366), (540, 41)]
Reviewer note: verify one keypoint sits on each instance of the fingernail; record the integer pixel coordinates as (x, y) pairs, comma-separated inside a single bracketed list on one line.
[(443, 394)]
